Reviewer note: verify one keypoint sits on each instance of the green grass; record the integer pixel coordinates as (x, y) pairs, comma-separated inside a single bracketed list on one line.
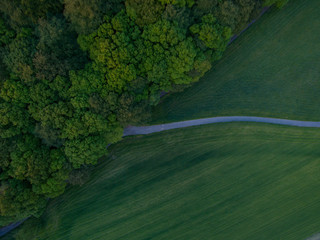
[(271, 70), (222, 181)]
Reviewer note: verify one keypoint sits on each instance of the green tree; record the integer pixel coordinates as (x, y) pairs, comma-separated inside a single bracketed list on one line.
[(144, 12), (6, 34), (57, 49), (85, 150), (180, 3), (14, 91), (18, 200), (35, 9), (203, 7), (14, 120), (28, 12), (17, 55), (213, 35), (86, 16)]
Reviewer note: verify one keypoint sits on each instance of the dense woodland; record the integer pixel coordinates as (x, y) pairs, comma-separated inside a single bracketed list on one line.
[(73, 73)]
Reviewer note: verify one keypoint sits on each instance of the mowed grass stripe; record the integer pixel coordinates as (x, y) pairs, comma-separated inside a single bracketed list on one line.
[(272, 70), (220, 181)]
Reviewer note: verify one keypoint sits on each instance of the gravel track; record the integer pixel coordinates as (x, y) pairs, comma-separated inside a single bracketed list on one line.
[(133, 130)]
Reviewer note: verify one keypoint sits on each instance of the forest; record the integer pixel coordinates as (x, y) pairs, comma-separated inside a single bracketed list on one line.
[(74, 73)]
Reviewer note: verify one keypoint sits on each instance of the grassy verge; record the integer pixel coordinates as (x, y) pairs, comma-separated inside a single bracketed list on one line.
[(271, 70), (221, 181)]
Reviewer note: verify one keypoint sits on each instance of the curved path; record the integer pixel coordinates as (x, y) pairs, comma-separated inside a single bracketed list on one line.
[(132, 130)]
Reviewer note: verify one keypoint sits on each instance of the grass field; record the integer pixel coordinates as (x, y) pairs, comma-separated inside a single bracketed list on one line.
[(221, 181), (271, 70)]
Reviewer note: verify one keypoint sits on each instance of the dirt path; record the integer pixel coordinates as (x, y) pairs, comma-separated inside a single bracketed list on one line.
[(132, 130)]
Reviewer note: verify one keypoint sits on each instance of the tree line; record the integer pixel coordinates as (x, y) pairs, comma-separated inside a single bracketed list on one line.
[(73, 73)]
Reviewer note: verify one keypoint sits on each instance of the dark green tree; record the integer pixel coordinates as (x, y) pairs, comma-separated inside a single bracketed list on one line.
[(19, 201), (86, 16), (213, 35), (27, 12), (57, 49)]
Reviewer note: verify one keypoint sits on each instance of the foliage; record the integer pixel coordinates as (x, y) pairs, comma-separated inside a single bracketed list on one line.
[(144, 12), (86, 16), (235, 14), (35, 9), (153, 59), (28, 12), (181, 3), (18, 199), (37, 116), (18, 55), (6, 34), (57, 50), (213, 35), (85, 151), (278, 3)]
